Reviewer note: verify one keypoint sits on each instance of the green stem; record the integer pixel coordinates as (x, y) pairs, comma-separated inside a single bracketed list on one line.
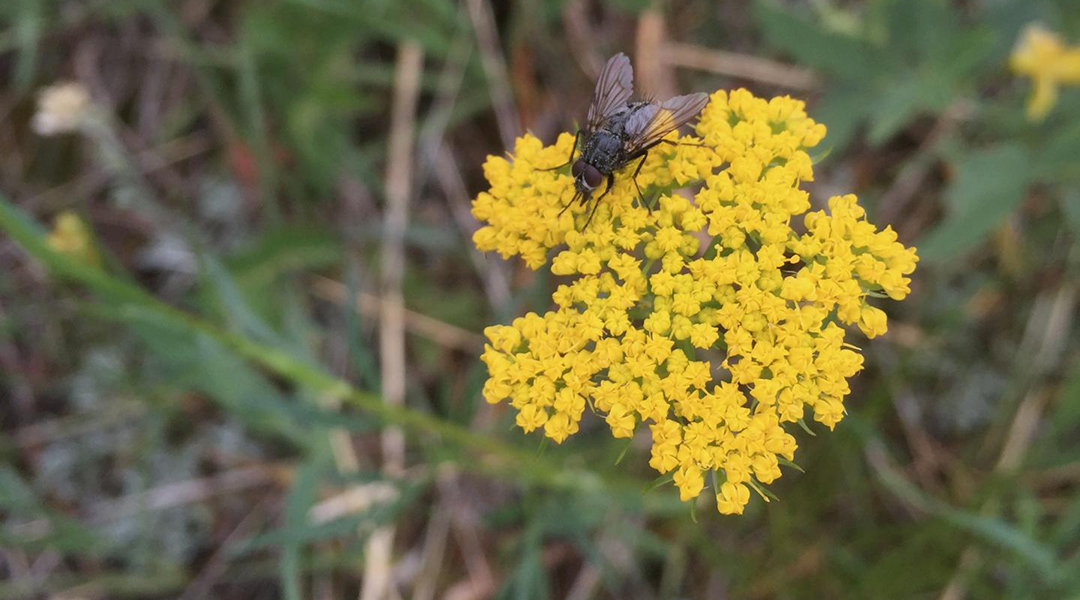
[(30, 236)]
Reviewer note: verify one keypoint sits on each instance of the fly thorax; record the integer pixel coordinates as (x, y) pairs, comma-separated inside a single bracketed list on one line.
[(605, 151)]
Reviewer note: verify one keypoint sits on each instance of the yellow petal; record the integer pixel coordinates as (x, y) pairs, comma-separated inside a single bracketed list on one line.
[(1042, 98)]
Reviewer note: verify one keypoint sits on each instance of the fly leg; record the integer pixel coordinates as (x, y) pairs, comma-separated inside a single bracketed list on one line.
[(641, 197), (569, 204), (569, 160), (610, 182), (681, 143)]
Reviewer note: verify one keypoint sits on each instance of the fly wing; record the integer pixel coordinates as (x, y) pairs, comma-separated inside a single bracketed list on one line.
[(651, 123), (613, 89)]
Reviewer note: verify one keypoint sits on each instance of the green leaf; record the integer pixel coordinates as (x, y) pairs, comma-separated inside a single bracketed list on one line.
[(622, 454), (928, 87), (819, 157), (288, 248), (121, 293), (234, 306), (1067, 528), (761, 489), (300, 531), (387, 21), (59, 533), (659, 481), (528, 579), (809, 43), (1070, 208), (631, 6), (789, 463), (962, 57), (841, 109), (993, 530), (1057, 158), (197, 361), (1065, 419), (29, 23), (896, 106), (298, 503), (989, 185)]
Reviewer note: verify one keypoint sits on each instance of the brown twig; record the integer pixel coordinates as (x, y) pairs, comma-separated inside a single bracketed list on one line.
[(377, 572), (465, 523), (492, 271), (357, 499), (438, 157), (580, 35), (740, 65), (619, 557), (894, 202), (188, 492), (1044, 340), (433, 554), (22, 393), (433, 131), (495, 68), (1057, 476), (216, 566), (924, 450), (149, 161), (1046, 337), (1020, 437), (656, 80), (370, 305)]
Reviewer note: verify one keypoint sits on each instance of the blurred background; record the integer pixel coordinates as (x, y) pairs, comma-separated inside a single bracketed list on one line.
[(235, 232)]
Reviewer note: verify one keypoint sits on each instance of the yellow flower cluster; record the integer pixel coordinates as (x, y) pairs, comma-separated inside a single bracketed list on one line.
[(1042, 55), (714, 320)]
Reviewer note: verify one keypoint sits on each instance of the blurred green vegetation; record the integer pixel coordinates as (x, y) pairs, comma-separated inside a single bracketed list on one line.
[(169, 419)]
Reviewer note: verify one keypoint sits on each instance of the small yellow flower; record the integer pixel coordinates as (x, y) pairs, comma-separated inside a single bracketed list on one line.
[(732, 498), (71, 236), (718, 346), (1042, 55)]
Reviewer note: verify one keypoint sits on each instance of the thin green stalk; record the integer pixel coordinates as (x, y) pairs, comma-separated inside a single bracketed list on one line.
[(30, 236)]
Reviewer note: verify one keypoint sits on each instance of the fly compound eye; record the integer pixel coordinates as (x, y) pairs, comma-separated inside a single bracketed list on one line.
[(593, 178), (579, 165)]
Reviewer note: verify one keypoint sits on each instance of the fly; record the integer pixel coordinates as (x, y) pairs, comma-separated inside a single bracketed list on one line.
[(618, 131)]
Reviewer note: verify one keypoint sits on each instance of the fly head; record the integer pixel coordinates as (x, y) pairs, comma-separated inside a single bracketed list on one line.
[(586, 177)]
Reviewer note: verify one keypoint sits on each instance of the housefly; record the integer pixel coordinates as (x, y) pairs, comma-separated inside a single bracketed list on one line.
[(618, 131)]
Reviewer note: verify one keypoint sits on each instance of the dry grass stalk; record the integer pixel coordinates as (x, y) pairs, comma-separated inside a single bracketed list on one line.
[(377, 568), (740, 65)]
